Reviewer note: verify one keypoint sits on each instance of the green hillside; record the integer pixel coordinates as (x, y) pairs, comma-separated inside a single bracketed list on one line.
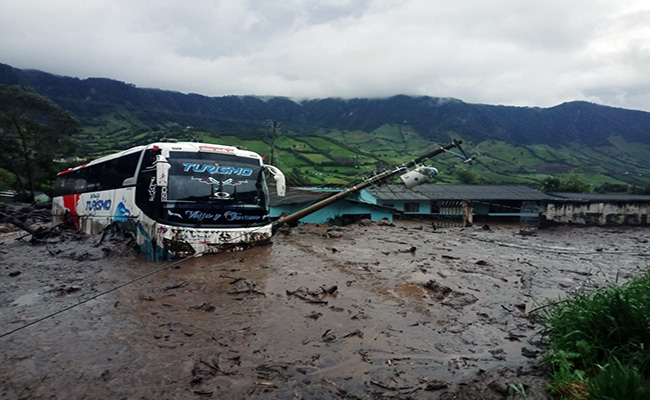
[(335, 141), (338, 156)]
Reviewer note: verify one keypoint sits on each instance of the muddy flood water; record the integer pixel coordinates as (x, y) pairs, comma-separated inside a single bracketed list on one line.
[(365, 311)]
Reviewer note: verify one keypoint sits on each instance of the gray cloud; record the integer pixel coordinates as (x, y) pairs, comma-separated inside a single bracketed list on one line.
[(498, 52)]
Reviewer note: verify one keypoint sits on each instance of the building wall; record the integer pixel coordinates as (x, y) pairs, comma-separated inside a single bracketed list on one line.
[(331, 212), (597, 213), (423, 206), (364, 196)]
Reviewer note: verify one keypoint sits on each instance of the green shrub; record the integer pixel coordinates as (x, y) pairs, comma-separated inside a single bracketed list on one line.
[(600, 342)]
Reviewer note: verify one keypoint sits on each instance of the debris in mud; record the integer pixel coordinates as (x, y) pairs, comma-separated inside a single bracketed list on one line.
[(78, 246), (526, 352), (409, 250), (270, 371), (245, 286), (513, 337), (330, 290), (356, 333), (314, 315), (204, 392), (498, 354), (310, 296), (371, 341), (435, 386), (460, 300), (328, 336), (206, 368), (63, 289), (266, 384), (385, 222), (440, 291), (449, 297), (28, 213), (364, 222), (176, 286), (234, 280), (283, 229), (14, 273), (334, 233), (23, 216), (205, 307)]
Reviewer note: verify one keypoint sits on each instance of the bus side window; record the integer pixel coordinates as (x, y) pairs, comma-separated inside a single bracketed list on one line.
[(80, 180), (93, 178), (149, 159), (125, 167), (108, 178), (115, 171), (65, 184)]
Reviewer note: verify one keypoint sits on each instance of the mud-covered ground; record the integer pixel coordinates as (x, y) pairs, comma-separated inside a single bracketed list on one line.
[(366, 311)]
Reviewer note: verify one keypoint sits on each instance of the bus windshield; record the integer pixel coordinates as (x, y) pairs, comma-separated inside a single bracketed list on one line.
[(215, 178)]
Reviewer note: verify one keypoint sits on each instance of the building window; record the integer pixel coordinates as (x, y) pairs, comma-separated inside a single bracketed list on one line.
[(411, 207)]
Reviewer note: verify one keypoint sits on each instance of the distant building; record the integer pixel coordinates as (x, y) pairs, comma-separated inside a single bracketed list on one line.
[(445, 204), (426, 201), (597, 209), (486, 200)]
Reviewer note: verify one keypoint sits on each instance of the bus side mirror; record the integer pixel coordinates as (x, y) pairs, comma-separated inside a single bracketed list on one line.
[(162, 170), (278, 176)]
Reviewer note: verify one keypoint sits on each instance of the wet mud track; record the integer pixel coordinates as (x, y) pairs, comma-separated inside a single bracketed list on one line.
[(363, 311)]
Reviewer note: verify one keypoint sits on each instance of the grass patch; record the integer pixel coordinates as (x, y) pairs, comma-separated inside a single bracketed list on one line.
[(287, 142), (387, 145), (600, 343), (316, 158)]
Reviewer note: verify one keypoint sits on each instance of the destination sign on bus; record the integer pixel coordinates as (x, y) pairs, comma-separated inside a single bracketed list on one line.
[(217, 169)]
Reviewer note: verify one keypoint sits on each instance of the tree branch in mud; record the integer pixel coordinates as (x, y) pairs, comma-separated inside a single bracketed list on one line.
[(306, 299), (37, 234)]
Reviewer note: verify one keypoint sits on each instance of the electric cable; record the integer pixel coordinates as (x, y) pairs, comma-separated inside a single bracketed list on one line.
[(107, 292)]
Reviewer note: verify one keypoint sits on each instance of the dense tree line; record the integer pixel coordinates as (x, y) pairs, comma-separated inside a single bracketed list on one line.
[(34, 132)]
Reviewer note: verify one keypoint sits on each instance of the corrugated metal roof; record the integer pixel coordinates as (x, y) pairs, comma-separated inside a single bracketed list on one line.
[(296, 196), (599, 197), (481, 192), (457, 192), (395, 193), (425, 192)]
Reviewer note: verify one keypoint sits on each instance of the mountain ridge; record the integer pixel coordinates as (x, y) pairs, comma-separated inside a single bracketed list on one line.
[(432, 117), (516, 143)]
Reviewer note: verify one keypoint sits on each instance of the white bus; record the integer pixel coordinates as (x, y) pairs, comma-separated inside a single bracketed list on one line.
[(178, 199)]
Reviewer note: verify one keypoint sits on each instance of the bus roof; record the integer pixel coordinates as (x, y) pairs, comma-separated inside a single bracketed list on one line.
[(173, 146)]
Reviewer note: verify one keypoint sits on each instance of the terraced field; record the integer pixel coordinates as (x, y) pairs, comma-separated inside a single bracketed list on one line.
[(337, 157)]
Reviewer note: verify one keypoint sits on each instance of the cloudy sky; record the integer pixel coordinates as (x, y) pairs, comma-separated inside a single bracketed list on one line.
[(511, 52)]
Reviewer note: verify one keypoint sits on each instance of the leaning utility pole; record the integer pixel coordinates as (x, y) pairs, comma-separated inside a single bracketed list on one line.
[(293, 218)]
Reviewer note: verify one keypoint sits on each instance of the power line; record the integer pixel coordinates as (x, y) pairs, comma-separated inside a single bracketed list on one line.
[(105, 293)]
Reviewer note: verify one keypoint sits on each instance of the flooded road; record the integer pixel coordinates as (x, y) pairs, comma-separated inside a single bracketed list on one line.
[(365, 311)]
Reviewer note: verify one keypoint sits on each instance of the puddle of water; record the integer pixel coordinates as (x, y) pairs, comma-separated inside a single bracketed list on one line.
[(410, 291)]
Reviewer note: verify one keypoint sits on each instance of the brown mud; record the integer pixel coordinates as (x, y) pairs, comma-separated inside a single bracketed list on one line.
[(366, 311)]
